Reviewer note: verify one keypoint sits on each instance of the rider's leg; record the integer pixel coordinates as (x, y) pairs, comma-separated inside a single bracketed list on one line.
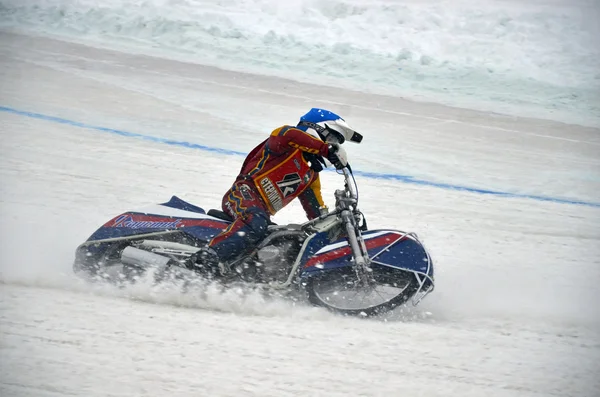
[(249, 227), (241, 236)]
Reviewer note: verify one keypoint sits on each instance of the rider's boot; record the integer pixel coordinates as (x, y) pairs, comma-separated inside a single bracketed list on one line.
[(207, 262)]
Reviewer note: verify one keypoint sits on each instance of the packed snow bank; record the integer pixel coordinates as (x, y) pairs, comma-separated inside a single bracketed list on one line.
[(536, 59)]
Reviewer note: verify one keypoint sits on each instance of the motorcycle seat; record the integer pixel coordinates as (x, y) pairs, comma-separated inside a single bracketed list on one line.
[(219, 215), (223, 216)]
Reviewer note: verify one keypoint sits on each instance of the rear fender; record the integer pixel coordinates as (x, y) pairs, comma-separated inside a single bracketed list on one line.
[(173, 215)]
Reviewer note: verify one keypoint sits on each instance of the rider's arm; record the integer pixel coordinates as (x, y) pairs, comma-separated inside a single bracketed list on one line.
[(312, 200), (284, 137)]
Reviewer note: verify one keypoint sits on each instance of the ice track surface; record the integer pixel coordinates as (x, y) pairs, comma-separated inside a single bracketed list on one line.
[(515, 312)]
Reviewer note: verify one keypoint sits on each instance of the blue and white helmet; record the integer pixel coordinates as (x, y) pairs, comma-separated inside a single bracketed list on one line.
[(321, 123)]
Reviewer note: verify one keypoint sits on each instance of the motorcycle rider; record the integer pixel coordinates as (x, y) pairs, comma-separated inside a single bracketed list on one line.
[(283, 167)]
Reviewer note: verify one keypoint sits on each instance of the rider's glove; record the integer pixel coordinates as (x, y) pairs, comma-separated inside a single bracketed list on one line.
[(337, 155)]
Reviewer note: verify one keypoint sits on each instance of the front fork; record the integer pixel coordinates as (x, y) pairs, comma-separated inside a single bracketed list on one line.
[(358, 246)]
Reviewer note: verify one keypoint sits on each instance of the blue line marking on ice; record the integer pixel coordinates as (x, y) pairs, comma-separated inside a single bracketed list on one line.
[(120, 132), (374, 175), (412, 180)]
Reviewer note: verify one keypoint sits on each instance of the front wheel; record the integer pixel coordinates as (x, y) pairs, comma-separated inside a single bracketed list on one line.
[(340, 291)]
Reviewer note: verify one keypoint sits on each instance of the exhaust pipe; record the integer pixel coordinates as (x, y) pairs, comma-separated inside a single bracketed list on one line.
[(137, 257)]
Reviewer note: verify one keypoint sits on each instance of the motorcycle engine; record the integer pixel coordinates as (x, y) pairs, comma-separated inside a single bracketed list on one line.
[(274, 261)]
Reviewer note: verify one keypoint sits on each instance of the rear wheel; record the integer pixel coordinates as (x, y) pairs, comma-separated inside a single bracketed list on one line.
[(92, 259), (103, 258), (103, 263), (340, 291)]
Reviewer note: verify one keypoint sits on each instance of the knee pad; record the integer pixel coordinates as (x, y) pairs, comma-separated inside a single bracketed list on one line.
[(258, 222)]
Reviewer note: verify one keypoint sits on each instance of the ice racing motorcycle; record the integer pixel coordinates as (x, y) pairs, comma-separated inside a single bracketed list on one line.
[(333, 260)]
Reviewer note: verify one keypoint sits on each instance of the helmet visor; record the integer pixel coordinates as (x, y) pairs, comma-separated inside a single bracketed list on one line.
[(341, 127)]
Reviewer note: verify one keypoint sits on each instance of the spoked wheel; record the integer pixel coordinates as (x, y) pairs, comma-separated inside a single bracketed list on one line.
[(93, 262), (104, 264), (340, 290)]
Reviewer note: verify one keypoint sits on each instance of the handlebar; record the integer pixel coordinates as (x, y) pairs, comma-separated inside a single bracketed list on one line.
[(345, 199)]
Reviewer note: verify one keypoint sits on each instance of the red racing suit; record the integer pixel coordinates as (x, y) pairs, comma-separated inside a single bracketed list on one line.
[(278, 170)]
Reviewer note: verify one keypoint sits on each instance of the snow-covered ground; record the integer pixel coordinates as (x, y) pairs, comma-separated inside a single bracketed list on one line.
[(509, 208)]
